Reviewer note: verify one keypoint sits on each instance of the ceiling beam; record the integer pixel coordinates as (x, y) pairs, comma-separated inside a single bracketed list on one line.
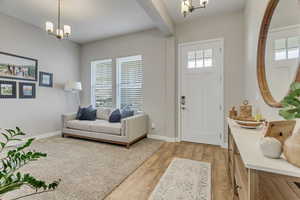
[(157, 11)]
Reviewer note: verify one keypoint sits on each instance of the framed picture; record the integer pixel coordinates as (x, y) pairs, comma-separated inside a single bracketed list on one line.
[(26, 90), (46, 79), (18, 67), (8, 89)]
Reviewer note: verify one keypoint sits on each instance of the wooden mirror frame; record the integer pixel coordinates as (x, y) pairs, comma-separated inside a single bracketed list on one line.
[(261, 53)]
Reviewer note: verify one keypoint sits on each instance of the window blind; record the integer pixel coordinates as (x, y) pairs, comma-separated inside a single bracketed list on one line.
[(130, 75), (102, 71)]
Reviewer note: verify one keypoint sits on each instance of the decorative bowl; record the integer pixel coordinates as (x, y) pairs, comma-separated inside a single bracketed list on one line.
[(249, 124)]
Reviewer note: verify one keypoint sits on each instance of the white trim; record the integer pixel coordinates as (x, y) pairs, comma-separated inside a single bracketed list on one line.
[(163, 138), (179, 126), (37, 137)]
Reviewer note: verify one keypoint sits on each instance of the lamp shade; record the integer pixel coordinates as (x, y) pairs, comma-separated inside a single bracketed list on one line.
[(73, 86)]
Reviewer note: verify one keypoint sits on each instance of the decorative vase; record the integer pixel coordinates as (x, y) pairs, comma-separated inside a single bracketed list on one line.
[(291, 150), (270, 147)]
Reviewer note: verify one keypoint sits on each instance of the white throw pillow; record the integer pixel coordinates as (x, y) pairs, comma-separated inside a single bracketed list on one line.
[(103, 113)]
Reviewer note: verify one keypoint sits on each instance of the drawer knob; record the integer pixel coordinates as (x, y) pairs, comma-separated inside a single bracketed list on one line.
[(237, 187)]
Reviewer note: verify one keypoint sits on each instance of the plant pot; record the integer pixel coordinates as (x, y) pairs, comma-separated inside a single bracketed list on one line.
[(291, 150)]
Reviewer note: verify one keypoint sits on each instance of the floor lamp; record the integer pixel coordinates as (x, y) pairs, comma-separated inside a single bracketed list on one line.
[(74, 87)]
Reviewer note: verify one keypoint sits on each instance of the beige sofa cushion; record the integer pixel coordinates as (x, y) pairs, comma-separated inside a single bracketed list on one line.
[(80, 125), (103, 113), (103, 126), (98, 126)]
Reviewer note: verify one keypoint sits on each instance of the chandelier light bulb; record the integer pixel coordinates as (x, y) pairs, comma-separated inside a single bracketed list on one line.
[(67, 30), (204, 3), (59, 33), (185, 7), (49, 27)]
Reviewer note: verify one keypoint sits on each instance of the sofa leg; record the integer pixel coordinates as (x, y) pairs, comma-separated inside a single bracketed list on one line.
[(62, 135), (128, 146)]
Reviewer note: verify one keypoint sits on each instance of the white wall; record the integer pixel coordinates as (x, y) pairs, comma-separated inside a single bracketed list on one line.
[(254, 13), (231, 28), (159, 72), (43, 114)]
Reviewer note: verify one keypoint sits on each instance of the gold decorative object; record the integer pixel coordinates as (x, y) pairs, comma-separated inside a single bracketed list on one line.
[(245, 111), (233, 113)]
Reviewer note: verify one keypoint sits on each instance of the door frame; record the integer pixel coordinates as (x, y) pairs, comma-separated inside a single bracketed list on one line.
[(179, 84)]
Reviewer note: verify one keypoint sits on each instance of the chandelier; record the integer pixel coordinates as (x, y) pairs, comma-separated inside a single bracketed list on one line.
[(59, 33), (187, 6)]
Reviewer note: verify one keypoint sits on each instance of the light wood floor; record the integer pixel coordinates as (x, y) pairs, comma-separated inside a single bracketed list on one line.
[(140, 184)]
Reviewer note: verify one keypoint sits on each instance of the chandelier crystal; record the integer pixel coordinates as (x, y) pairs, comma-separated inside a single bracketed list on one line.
[(60, 32), (187, 6)]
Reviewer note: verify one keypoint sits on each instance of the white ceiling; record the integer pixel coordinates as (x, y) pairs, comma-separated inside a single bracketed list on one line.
[(98, 19), (90, 19), (215, 7)]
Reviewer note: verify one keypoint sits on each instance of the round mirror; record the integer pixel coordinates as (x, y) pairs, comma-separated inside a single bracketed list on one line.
[(278, 51)]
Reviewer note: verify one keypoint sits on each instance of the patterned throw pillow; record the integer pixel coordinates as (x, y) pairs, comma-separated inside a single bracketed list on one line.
[(103, 113), (127, 113)]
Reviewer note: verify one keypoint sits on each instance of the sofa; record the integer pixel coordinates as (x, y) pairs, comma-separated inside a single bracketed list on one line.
[(126, 132)]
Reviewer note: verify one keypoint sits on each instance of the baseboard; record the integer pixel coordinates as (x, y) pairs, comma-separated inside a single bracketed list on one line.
[(163, 138), (37, 137)]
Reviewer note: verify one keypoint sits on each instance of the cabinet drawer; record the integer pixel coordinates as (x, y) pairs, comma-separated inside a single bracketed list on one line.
[(276, 187)]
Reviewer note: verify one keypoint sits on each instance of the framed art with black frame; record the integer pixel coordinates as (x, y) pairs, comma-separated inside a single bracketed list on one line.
[(8, 89), (18, 67), (45, 79), (27, 90)]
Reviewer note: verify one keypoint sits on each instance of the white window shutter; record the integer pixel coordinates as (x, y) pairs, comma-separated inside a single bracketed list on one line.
[(131, 80), (102, 83)]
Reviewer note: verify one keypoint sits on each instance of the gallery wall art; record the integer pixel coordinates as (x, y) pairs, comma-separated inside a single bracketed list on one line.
[(18, 67), (27, 90), (8, 89), (46, 79)]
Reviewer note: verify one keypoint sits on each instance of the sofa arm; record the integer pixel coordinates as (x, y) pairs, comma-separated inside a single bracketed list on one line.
[(135, 127), (67, 117)]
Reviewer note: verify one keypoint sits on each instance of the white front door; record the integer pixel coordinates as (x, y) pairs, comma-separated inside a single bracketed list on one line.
[(201, 92)]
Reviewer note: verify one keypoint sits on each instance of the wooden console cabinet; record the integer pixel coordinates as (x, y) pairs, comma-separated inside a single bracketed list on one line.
[(255, 177)]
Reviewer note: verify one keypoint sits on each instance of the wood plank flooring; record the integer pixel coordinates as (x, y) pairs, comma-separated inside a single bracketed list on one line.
[(140, 184)]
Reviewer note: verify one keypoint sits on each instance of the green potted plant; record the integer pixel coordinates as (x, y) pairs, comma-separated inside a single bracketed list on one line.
[(13, 158), (291, 110), (291, 103)]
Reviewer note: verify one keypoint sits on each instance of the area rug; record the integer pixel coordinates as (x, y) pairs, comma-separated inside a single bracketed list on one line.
[(89, 170), (184, 180)]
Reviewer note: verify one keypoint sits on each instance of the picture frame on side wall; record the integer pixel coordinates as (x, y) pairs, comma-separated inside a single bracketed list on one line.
[(8, 89), (18, 67), (45, 79), (27, 90)]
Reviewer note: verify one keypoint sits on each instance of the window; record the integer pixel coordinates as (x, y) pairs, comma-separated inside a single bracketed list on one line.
[(286, 48), (130, 82), (102, 83), (200, 59)]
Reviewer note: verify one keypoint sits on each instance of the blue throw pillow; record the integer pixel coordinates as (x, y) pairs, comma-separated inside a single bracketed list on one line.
[(127, 113), (79, 113), (115, 116), (88, 113)]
